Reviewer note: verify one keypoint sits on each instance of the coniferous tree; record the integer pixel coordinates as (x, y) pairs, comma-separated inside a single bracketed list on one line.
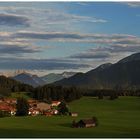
[(22, 107), (63, 109)]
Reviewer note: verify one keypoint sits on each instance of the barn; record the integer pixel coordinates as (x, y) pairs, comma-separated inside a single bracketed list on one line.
[(85, 123)]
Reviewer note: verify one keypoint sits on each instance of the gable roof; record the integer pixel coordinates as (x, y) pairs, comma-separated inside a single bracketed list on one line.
[(88, 121), (55, 102)]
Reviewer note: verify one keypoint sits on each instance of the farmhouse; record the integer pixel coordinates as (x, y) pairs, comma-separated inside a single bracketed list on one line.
[(85, 123), (9, 109)]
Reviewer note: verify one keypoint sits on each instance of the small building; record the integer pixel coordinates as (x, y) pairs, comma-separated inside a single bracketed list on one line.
[(73, 114), (55, 103), (8, 109), (85, 123)]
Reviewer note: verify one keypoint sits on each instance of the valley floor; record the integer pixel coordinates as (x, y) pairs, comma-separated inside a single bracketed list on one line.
[(117, 119)]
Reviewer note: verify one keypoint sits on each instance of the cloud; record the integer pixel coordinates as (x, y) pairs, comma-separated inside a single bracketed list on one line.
[(83, 3), (47, 35), (91, 55), (108, 40), (77, 18), (47, 19), (106, 47), (12, 48), (111, 43), (13, 20), (72, 36), (133, 4), (40, 64), (125, 48), (112, 48)]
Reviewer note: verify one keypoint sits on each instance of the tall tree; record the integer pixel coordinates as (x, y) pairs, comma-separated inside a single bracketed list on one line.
[(63, 109), (22, 107)]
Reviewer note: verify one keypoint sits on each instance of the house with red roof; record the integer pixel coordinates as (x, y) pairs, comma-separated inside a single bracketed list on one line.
[(55, 103)]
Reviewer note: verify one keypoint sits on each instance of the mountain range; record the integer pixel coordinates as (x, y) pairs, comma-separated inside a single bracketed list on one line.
[(35, 80), (29, 79), (124, 74), (53, 77)]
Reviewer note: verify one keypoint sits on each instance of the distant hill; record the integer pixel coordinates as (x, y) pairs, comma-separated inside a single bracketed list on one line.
[(8, 82), (52, 77), (8, 85), (124, 74), (29, 79)]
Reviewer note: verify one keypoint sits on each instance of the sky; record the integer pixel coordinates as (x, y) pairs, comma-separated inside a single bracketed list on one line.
[(47, 37)]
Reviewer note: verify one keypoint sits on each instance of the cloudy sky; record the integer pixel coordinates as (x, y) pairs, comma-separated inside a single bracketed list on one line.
[(46, 37)]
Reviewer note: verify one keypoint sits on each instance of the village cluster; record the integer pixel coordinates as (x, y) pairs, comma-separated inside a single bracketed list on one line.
[(35, 107), (42, 108)]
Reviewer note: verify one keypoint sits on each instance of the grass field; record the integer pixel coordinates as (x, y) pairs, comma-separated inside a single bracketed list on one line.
[(118, 118), (15, 95)]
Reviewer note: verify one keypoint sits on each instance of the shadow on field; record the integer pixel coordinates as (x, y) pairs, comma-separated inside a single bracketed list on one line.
[(27, 133), (68, 125)]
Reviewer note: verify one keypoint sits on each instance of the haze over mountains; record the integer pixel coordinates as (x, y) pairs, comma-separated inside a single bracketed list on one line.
[(29, 79), (35, 80), (53, 77), (124, 74)]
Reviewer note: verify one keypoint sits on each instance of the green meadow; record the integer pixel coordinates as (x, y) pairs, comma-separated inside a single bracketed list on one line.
[(119, 118)]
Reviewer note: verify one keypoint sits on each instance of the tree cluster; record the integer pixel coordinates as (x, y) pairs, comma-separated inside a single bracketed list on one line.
[(52, 92), (113, 94), (63, 109), (8, 85)]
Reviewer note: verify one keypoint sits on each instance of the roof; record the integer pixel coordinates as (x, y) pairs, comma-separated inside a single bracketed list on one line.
[(6, 108), (10, 100), (43, 106), (88, 121), (55, 102)]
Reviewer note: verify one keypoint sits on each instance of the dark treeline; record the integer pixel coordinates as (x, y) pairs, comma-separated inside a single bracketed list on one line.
[(109, 92), (46, 93), (8, 85), (52, 92), (55, 92)]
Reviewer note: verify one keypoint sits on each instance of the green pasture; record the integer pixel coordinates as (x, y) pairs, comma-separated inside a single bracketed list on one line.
[(15, 95), (117, 119)]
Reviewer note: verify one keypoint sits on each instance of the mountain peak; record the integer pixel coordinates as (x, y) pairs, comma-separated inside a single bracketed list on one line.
[(103, 66), (124, 75), (30, 79)]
